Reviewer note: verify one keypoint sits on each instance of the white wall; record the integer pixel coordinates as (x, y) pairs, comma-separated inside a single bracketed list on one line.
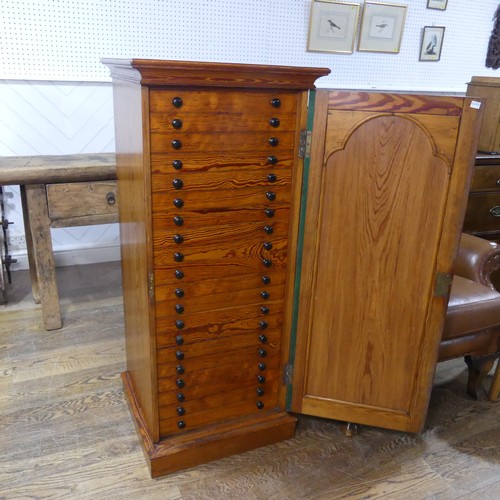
[(55, 96)]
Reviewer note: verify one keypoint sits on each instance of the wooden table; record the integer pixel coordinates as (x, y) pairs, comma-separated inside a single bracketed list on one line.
[(59, 191)]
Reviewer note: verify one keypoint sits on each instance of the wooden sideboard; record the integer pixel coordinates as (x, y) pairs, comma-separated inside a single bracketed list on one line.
[(260, 279), (59, 191), (482, 217)]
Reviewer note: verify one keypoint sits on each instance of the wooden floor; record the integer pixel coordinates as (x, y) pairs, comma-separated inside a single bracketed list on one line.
[(65, 429)]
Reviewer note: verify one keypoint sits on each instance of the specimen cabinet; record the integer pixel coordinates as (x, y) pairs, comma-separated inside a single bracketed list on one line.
[(261, 280), (207, 165)]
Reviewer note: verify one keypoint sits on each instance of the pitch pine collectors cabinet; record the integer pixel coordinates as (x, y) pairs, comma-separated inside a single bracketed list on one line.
[(260, 279)]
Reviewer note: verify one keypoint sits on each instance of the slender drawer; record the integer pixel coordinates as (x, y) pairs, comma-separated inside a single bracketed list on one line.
[(92, 202), (483, 213), (486, 178), (175, 299), (222, 102)]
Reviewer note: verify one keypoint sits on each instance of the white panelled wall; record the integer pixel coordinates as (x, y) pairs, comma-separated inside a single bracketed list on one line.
[(54, 118), (55, 96)]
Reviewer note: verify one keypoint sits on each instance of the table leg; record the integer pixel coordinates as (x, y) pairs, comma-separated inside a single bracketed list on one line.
[(495, 384), (29, 246), (42, 259)]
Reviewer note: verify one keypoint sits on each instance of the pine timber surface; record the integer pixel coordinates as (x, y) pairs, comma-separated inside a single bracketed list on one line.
[(207, 157), (66, 431), (390, 174)]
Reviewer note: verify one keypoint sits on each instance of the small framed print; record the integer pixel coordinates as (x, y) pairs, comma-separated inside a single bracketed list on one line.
[(332, 26), (432, 43), (382, 27), (437, 4)]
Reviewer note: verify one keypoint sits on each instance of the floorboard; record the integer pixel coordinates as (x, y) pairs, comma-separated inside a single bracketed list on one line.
[(66, 432)]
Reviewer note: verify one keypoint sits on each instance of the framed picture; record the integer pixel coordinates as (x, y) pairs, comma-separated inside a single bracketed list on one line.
[(382, 27), (437, 4), (332, 26), (432, 43)]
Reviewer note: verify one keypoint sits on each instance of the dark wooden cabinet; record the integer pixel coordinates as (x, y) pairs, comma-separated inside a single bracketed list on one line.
[(259, 281), (482, 217)]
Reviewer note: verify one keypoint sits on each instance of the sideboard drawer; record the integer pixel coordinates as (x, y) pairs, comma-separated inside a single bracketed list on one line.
[(483, 213), (84, 201), (486, 178)]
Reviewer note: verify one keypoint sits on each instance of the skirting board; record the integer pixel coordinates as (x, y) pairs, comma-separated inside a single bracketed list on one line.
[(74, 256)]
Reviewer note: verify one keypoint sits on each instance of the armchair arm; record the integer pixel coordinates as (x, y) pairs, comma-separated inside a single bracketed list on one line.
[(477, 258)]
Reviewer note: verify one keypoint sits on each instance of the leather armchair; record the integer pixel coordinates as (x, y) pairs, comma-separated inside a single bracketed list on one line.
[(472, 324)]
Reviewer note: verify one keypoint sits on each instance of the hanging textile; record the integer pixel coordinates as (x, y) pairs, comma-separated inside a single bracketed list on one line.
[(493, 55)]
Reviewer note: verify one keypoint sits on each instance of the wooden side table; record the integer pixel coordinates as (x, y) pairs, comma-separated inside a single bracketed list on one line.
[(59, 191)]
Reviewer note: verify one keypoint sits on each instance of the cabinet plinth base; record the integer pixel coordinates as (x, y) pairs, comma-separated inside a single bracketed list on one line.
[(197, 447)]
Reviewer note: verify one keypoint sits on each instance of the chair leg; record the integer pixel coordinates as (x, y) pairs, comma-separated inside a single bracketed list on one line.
[(495, 384), (479, 367)]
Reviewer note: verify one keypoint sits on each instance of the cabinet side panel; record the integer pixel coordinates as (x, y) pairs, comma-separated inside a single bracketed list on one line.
[(134, 188)]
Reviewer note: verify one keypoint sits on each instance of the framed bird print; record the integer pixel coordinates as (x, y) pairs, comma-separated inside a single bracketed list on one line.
[(332, 26), (432, 42), (382, 27)]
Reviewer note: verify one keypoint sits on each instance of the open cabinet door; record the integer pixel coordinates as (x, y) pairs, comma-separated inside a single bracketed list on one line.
[(388, 182)]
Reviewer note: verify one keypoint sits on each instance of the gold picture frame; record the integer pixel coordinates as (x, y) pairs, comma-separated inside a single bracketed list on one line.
[(382, 27), (437, 4), (332, 26)]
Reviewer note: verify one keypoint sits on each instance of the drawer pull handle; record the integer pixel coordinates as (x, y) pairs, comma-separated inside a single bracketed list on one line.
[(495, 211), (111, 198)]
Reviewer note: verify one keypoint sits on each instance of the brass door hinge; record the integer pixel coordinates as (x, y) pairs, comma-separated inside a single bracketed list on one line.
[(151, 285), (443, 284), (305, 144)]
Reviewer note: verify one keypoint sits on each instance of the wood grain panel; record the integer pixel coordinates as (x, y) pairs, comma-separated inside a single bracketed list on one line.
[(223, 199), (218, 323), (220, 345), (442, 133), (42, 169), (166, 299), (215, 381), (222, 161), (161, 142), (80, 199), (228, 410), (394, 103), (224, 121), (216, 102), (136, 249), (202, 289), (219, 181), (227, 75), (231, 356), (386, 170), (203, 249), (215, 217)]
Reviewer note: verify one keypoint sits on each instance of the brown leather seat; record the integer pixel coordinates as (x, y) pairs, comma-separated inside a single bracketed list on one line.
[(472, 325)]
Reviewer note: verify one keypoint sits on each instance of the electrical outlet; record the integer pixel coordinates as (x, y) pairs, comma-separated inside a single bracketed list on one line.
[(17, 242)]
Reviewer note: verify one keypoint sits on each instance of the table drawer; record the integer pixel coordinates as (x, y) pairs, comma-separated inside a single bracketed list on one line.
[(483, 213), (83, 202)]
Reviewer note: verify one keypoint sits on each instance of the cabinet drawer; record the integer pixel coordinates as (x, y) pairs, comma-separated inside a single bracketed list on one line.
[(83, 202), (222, 102), (480, 215), (486, 178)]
